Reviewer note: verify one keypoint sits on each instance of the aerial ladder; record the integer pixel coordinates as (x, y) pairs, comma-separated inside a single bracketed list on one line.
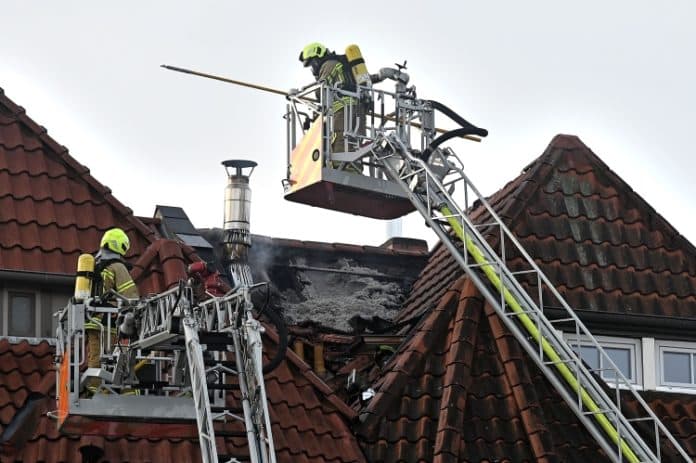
[(192, 353), (393, 160)]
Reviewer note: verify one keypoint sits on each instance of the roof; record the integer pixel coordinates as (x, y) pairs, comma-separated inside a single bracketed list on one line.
[(460, 388), (51, 208), (603, 246), (310, 423)]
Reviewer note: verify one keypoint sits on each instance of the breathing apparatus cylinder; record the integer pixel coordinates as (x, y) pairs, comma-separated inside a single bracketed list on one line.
[(83, 282), (357, 65)]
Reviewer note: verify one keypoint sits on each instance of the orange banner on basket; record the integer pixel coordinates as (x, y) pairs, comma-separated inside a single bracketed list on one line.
[(63, 389), (306, 159)]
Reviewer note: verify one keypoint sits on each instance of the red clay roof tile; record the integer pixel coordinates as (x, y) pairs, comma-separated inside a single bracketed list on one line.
[(607, 250), (50, 202)]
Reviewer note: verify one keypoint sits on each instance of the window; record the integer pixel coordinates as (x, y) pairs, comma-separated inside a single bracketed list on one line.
[(22, 314), (677, 364), (624, 352)]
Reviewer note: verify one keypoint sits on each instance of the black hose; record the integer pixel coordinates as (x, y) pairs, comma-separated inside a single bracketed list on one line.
[(283, 338), (441, 139), (277, 320), (473, 130), (467, 128)]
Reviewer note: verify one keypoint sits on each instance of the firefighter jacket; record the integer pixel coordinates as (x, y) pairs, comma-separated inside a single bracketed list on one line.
[(114, 275), (333, 72)]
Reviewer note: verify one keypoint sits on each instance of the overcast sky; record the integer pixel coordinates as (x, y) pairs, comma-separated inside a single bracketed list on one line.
[(618, 74)]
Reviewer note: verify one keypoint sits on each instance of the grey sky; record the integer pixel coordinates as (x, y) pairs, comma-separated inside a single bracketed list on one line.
[(620, 75)]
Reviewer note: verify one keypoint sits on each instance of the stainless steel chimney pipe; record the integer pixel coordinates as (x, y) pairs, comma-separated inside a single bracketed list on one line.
[(236, 233)]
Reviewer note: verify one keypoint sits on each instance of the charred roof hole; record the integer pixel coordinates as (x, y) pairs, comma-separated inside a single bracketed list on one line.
[(22, 426)]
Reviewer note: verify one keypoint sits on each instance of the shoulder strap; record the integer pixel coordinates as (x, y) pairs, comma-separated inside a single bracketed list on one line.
[(97, 281), (351, 85)]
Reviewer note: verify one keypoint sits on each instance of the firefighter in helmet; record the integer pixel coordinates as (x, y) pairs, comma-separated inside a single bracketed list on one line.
[(333, 70), (110, 273)]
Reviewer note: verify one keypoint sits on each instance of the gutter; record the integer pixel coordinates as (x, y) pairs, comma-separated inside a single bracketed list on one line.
[(617, 323), (61, 279)]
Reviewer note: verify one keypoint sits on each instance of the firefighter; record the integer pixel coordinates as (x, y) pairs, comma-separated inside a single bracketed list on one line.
[(110, 273), (333, 70)]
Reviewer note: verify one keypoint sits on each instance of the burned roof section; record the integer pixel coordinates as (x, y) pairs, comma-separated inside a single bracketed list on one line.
[(330, 284)]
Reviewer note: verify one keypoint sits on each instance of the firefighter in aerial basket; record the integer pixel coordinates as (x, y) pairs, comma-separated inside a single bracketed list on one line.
[(110, 273), (336, 71)]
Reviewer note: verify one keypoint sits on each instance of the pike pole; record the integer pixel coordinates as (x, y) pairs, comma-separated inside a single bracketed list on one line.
[(280, 92)]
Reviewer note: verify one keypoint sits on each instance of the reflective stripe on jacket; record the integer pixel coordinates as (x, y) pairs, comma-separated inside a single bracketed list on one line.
[(115, 276), (332, 73)]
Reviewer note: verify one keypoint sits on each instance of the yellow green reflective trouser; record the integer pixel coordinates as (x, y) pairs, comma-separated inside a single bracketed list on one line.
[(93, 333), (114, 276), (357, 121)]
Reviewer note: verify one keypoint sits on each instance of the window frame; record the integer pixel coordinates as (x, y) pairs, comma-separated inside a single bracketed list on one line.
[(32, 295), (633, 345), (678, 347)]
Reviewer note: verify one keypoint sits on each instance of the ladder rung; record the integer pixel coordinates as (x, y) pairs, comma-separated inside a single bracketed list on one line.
[(563, 320), (644, 418), (522, 312), (223, 433), (558, 362), (222, 387), (601, 412), (235, 410), (224, 363)]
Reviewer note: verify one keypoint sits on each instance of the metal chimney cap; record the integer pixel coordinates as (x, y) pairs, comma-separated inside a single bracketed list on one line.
[(237, 165), (240, 163)]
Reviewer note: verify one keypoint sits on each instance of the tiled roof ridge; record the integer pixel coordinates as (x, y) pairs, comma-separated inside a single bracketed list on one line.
[(398, 364), (457, 374), (526, 398), (530, 180), (83, 172)]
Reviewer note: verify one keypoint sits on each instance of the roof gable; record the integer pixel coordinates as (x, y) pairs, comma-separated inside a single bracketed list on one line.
[(51, 208), (602, 245)]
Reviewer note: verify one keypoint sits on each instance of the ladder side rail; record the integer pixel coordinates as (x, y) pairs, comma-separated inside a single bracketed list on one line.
[(255, 350), (194, 353), (156, 312), (246, 403), (580, 326), (475, 232)]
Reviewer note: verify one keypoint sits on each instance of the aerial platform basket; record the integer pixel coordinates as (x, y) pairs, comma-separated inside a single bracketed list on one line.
[(338, 181)]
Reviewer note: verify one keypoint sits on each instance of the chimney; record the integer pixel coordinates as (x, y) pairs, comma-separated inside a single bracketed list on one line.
[(236, 237)]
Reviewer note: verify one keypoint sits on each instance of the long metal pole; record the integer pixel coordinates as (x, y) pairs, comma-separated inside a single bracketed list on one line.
[(280, 92), (225, 79)]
